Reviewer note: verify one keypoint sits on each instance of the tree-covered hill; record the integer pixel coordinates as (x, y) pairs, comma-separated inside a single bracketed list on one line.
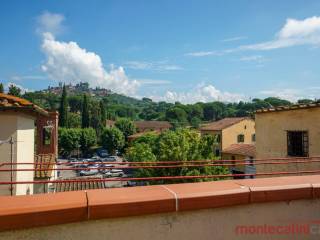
[(120, 106)]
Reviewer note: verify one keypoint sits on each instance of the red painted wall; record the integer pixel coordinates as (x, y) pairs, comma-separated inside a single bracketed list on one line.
[(51, 145)]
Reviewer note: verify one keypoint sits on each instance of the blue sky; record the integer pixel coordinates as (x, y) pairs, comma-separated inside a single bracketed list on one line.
[(173, 50)]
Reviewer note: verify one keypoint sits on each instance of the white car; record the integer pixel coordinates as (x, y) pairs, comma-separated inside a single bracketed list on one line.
[(105, 170), (89, 172), (114, 173)]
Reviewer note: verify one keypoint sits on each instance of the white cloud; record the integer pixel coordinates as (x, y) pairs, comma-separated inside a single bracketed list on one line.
[(157, 66), (50, 22), (254, 58), (292, 94), (153, 81), (233, 39), (293, 33), (68, 62), (204, 53), (202, 93)]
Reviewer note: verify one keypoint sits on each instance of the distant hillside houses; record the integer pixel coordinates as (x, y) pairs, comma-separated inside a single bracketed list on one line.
[(79, 88)]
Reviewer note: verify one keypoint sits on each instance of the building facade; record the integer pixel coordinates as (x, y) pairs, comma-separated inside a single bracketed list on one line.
[(230, 131), (20, 147), (288, 132)]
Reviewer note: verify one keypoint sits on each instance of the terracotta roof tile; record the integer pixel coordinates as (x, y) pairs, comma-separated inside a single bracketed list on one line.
[(153, 124), (136, 135), (241, 149), (9, 102), (288, 108), (221, 124)]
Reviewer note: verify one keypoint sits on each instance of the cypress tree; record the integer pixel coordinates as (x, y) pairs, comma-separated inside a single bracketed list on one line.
[(1, 88), (103, 113), (85, 112), (63, 109)]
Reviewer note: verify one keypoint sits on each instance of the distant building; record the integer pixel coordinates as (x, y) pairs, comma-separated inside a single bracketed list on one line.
[(144, 126), (18, 141), (291, 131), (240, 152), (110, 123), (228, 131)]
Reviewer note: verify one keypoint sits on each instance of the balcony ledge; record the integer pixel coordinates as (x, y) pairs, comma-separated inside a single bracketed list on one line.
[(60, 208)]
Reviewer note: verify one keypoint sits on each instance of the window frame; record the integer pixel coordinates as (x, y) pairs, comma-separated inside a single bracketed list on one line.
[(239, 139), (293, 149)]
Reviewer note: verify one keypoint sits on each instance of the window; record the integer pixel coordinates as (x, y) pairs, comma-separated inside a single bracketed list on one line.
[(46, 136), (298, 143), (240, 138), (253, 137)]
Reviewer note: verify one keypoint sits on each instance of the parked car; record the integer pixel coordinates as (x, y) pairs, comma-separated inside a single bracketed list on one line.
[(106, 169), (89, 172), (111, 158), (102, 153), (72, 161), (114, 173)]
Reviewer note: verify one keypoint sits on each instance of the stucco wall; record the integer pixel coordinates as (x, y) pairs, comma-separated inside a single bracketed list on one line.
[(271, 136), (230, 134), (25, 153), (218, 223), (8, 127), (21, 127)]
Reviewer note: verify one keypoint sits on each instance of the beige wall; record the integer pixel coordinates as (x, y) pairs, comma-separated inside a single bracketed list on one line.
[(21, 128), (230, 134), (218, 223), (271, 136)]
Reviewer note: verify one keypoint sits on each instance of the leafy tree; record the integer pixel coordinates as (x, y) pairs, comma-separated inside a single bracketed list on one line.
[(126, 126), (75, 103), (74, 120), (208, 142), (305, 101), (85, 123), (177, 116), (14, 90), (69, 140), (141, 152), (1, 88), (180, 145), (195, 122), (63, 109), (112, 139), (275, 102), (88, 139)]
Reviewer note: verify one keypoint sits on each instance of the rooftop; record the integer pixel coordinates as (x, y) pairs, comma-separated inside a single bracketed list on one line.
[(12, 103), (288, 108), (241, 149), (222, 124), (153, 124)]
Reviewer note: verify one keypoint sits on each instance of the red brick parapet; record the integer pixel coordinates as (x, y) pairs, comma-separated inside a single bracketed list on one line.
[(59, 208)]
